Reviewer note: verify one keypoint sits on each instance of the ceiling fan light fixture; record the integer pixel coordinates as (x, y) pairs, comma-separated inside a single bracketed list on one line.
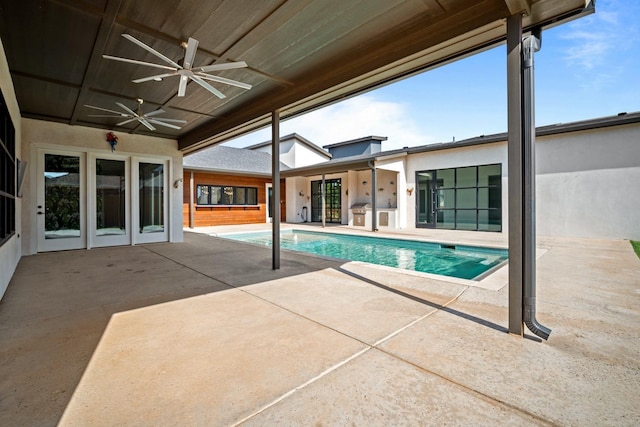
[(184, 68)]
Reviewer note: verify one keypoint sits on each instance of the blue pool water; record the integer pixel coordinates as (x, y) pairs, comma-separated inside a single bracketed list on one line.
[(465, 262)]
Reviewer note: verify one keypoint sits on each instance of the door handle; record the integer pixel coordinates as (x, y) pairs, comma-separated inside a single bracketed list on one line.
[(40, 213)]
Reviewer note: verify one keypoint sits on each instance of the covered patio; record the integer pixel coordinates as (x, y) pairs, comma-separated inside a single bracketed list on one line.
[(188, 334)]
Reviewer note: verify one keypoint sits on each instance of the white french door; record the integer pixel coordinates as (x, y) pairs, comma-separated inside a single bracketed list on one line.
[(109, 201), (93, 200), (61, 203), (150, 199)]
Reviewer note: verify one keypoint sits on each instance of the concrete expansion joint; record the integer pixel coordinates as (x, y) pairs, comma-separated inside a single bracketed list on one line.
[(376, 345), (350, 358)]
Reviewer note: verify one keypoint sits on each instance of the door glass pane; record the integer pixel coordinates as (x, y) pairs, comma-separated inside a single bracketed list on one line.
[(446, 199), (466, 220), (466, 198), (446, 178), (487, 175), (62, 196), (110, 197), (151, 198), (424, 194), (446, 219), (466, 177)]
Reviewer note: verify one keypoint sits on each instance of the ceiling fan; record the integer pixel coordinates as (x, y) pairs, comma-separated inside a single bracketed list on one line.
[(186, 71), (130, 115)]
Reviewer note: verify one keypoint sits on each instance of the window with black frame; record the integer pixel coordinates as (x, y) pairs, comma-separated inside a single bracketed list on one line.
[(226, 195), (7, 174), (465, 198)]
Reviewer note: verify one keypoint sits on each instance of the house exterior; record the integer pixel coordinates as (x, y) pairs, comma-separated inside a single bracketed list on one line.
[(226, 185), (587, 174)]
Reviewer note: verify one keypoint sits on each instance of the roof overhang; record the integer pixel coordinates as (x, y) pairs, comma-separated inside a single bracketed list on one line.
[(302, 54)]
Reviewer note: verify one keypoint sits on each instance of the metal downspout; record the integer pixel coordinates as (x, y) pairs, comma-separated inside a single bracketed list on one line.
[(530, 45)]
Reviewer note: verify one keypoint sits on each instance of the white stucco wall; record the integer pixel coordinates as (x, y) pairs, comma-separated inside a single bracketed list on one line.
[(296, 202), (295, 154), (11, 250), (588, 183), (40, 134), (305, 156)]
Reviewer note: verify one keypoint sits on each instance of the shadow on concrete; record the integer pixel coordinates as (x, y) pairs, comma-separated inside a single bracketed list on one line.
[(437, 306), (58, 305)]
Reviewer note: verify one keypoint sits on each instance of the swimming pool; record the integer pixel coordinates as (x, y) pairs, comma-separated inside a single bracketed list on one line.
[(465, 262)]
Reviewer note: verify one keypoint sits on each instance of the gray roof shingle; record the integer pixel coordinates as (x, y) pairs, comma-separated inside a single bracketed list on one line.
[(229, 159)]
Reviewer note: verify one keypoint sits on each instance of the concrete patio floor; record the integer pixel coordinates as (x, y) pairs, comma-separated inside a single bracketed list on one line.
[(205, 333)]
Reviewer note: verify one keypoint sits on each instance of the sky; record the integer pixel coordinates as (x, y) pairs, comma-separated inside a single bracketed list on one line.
[(587, 68)]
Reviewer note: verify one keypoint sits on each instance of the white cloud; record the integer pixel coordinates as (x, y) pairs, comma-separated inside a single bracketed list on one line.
[(594, 41), (353, 118), (359, 117)]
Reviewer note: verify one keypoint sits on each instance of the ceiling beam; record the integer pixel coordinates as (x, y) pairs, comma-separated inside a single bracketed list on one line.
[(519, 6), (404, 41), (106, 26)]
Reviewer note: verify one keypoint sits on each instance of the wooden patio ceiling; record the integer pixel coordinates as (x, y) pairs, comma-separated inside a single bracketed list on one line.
[(301, 54)]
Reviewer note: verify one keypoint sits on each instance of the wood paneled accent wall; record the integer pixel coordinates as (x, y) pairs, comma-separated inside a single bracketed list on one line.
[(228, 215)]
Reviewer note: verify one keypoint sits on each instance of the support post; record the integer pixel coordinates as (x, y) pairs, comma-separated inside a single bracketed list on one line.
[(275, 179), (192, 197), (515, 171), (323, 194), (374, 189)]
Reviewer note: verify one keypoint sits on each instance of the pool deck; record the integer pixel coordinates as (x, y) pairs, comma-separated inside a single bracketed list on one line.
[(205, 333)]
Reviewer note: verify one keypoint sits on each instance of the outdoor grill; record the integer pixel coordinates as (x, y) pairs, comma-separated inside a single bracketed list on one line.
[(359, 211)]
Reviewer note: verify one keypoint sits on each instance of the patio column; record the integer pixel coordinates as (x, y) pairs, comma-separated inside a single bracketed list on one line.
[(522, 176), (192, 198), (515, 171), (275, 179), (323, 194)]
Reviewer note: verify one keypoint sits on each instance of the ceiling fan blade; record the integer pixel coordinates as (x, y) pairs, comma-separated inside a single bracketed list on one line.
[(156, 77), (119, 116), (208, 87), (190, 54), (120, 113), (127, 109), (154, 113), (219, 67), (134, 61), (150, 49), (126, 121), (162, 119), (225, 81), (158, 122), (182, 87), (146, 123)]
